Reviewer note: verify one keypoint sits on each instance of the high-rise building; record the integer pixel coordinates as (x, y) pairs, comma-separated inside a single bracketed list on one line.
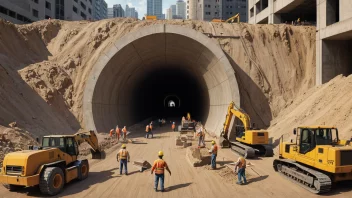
[(110, 13), (118, 11), (173, 9), (155, 8), (27, 11), (181, 9), (169, 14), (100, 9), (131, 12)]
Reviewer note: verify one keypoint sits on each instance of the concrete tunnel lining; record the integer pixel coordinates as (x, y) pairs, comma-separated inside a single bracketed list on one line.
[(123, 66)]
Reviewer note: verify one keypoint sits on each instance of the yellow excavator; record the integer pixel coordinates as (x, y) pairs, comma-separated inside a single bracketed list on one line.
[(50, 166), (249, 142), (316, 159), (229, 20)]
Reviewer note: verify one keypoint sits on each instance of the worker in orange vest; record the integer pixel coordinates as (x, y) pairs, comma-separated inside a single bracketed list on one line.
[(124, 130), (124, 156), (118, 133), (111, 132), (159, 166), (147, 131), (173, 126), (214, 153), (151, 128), (241, 164)]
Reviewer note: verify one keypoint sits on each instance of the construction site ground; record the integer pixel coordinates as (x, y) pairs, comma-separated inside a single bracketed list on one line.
[(186, 181)]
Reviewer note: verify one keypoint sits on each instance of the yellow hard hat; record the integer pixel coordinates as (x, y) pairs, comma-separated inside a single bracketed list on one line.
[(161, 153), (123, 146), (213, 142)]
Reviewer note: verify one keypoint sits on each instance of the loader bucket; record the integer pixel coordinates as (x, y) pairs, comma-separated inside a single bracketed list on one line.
[(97, 154)]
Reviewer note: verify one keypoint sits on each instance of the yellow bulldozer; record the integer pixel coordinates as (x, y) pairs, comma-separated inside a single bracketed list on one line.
[(249, 142), (50, 166), (316, 159)]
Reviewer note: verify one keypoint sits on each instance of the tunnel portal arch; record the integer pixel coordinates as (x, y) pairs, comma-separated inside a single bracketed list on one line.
[(120, 75)]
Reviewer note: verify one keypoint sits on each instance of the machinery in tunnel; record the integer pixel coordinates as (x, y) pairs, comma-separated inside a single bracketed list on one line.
[(130, 82)]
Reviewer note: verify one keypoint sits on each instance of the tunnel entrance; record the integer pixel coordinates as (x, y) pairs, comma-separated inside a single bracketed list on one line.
[(130, 82)]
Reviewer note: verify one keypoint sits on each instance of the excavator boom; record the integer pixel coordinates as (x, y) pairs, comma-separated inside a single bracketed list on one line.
[(92, 139)]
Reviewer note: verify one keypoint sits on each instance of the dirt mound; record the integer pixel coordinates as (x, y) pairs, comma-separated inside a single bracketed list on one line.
[(198, 156), (329, 104)]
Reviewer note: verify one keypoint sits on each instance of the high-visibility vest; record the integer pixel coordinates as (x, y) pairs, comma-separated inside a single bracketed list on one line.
[(118, 131), (123, 154), (160, 166), (215, 149), (111, 131), (173, 126), (151, 126), (124, 130), (147, 129), (242, 163)]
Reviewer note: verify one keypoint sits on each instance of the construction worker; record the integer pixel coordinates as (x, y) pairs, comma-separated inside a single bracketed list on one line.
[(124, 131), (159, 166), (147, 131), (118, 133), (111, 133), (241, 164), (214, 153), (124, 156), (173, 126), (151, 128), (200, 134)]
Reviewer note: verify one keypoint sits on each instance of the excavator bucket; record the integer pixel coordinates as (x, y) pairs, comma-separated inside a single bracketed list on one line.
[(97, 154), (224, 143)]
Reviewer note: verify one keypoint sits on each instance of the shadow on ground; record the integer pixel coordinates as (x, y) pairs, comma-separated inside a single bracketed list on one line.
[(175, 187), (257, 179), (74, 186)]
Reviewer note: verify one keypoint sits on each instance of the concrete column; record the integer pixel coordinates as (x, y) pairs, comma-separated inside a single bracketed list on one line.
[(318, 70)]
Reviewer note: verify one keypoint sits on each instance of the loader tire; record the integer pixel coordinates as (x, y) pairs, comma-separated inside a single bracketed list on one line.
[(52, 181), (12, 187), (83, 170)]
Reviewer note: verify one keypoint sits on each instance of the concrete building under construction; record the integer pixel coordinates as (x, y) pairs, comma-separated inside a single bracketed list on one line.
[(333, 21)]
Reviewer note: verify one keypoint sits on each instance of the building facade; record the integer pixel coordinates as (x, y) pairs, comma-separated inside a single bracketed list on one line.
[(155, 8), (100, 9), (110, 13), (169, 14), (131, 12), (181, 9), (27, 11), (118, 11), (173, 9)]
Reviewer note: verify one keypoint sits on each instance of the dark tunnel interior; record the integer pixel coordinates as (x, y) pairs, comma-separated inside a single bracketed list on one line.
[(150, 97)]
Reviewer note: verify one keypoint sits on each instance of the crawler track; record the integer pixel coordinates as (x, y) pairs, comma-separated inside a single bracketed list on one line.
[(312, 180)]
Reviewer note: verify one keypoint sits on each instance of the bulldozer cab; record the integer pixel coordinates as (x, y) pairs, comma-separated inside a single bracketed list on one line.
[(65, 144)]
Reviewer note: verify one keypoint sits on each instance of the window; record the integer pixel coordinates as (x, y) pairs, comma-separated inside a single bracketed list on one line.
[(35, 1), (83, 15), (306, 140), (208, 6), (60, 9), (20, 17), (83, 6), (12, 14), (35, 13), (47, 5), (47, 17), (70, 146), (90, 11), (75, 9), (76, 1), (230, 6), (3, 10), (230, 12)]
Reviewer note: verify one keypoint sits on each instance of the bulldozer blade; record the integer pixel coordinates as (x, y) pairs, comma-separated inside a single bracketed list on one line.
[(97, 154)]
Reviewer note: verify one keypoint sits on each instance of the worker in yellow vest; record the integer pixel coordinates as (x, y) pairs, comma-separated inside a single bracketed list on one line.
[(214, 153), (241, 165), (159, 167), (124, 156)]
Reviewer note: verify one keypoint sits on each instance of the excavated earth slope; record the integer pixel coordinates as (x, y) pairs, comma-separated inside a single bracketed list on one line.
[(44, 67)]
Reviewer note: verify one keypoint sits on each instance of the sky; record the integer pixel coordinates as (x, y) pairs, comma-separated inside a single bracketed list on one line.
[(140, 5)]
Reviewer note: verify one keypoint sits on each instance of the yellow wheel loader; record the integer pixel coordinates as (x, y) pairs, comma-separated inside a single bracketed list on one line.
[(53, 165), (249, 142), (316, 159)]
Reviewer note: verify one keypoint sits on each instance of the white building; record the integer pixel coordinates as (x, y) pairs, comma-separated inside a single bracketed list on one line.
[(169, 14), (27, 11)]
